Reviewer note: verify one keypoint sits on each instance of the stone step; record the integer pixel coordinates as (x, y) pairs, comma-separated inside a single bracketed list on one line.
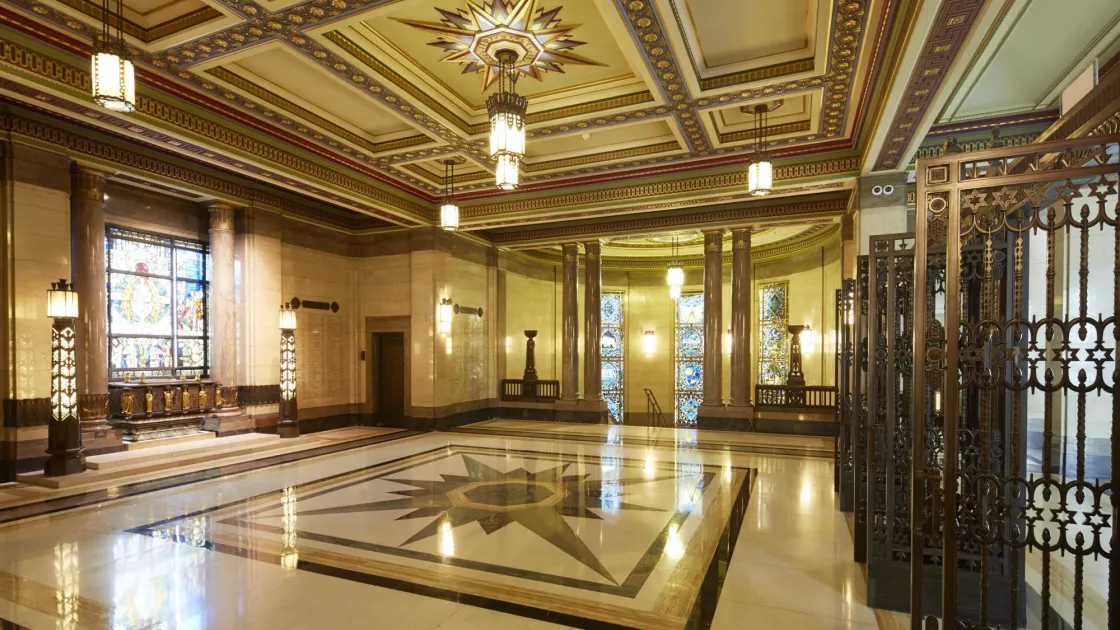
[(149, 444), (164, 452), (165, 465)]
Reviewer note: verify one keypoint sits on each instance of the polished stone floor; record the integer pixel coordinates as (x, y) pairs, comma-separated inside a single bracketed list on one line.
[(592, 527)]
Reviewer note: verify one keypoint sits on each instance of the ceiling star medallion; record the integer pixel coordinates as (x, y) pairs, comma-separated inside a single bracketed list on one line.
[(494, 499), (474, 36)]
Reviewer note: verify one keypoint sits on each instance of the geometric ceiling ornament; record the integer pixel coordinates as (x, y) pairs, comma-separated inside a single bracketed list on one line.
[(475, 36)]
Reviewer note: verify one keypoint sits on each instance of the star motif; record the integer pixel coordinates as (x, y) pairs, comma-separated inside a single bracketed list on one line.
[(537, 501), (473, 37)]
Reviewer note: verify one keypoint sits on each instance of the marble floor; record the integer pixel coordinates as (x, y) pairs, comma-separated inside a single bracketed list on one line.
[(597, 528)]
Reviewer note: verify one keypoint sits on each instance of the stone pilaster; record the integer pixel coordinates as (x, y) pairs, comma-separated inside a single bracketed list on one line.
[(713, 319), (223, 324), (593, 322), (87, 264), (740, 317), (569, 327)]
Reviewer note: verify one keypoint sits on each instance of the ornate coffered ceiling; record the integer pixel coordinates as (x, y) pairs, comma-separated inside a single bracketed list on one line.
[(634, 104)]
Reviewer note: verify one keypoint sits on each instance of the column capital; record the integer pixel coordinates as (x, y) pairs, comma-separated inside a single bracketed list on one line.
[(88, 182), (741, 238), (221, 216), (592, 250)]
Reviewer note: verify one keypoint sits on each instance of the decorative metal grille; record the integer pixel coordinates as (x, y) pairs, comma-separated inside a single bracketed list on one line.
[(859, 403), (845, 303), (1026, 348)]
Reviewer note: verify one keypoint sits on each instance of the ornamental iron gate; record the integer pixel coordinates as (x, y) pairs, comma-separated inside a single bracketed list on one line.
[(1016, 428), (844, 299), (859, 406), (890, 330)]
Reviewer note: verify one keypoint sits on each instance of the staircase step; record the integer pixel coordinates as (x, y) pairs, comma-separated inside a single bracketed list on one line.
[(152, 464), (212, 446), (182, 439)]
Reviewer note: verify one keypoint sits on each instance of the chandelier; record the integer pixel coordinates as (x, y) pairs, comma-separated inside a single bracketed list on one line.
[(112, 77), (449, 211), (507, 123), (675, 275), (760, 176)]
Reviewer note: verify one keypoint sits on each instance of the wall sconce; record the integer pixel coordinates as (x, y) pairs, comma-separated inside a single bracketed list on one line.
[(808, 340), (443, 316), (649, 342), (64, 435), (509, 345), (288, 424)]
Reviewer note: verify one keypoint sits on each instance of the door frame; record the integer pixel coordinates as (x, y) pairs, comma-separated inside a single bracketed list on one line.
[(376, 326)]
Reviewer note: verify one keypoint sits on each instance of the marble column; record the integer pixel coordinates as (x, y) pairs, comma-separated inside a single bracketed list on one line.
[(741, 317), (713, 319), (223, 324), (569, 326), (593, 322), (87, 269)]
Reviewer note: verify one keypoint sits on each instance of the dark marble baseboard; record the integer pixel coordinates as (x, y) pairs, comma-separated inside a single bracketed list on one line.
[(763, 424)]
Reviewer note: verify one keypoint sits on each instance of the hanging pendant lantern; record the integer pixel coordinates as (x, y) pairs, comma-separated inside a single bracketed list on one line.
[(507, 124), (449, 211), (112, 76), (760, 174), (675, 276)]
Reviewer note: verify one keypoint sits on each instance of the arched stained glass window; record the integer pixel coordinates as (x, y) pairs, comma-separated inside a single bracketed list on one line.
[(773, 323), (612, 353), (158, 288), (689, 356)]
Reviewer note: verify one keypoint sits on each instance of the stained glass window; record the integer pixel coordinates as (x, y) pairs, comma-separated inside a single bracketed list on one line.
[(158, 293), (689, 356), (611, 344), (773, 321)]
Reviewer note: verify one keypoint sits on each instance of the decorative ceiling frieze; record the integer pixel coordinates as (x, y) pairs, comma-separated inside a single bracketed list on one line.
[(181, 179), (816, 206), (946, 40)]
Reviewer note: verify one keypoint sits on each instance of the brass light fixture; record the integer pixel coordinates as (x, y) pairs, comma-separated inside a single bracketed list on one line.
[(449, 211), (760, 176), (112, 77), (64, 436), (675, 275), (288, 425), (507, 123)]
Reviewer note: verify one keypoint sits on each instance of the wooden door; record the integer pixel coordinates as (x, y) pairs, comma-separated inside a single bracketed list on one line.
[(390, 378)]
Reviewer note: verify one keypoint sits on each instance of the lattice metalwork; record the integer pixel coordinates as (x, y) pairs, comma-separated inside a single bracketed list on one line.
[(1017, 372), (859, 412), (845, 306)]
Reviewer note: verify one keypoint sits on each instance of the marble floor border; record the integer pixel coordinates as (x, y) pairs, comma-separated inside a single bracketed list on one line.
[(713, 553), (12, 515), (639, 441)]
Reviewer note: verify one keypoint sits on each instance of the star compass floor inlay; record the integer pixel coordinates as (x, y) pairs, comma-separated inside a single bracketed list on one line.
[(581, 540)]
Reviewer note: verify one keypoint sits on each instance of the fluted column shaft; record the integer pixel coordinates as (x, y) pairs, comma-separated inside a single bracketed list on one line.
[(593, 322), (87, 264), (713, 318), (223, 325), (569, 327), (740, 317)]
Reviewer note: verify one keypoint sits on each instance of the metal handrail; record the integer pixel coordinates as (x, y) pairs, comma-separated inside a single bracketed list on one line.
[(653, 410)]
